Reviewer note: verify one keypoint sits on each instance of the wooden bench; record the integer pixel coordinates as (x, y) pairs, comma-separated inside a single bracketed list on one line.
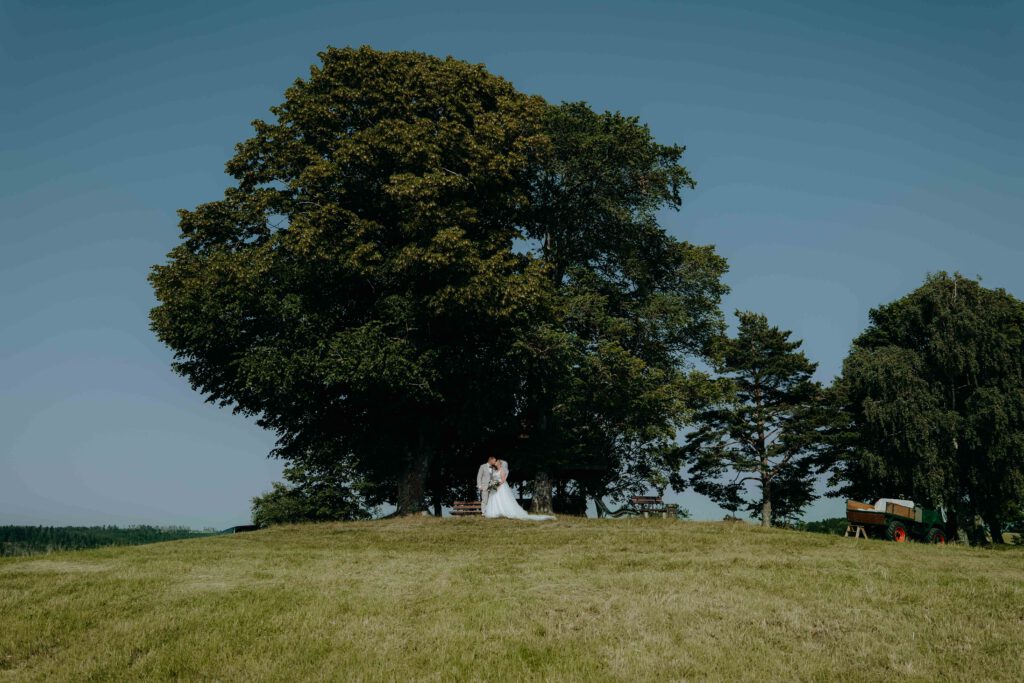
[(641, 506), (649, 505), (465, 508)]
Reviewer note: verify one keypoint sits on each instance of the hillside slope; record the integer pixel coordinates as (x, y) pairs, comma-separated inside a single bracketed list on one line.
[(472, 599)]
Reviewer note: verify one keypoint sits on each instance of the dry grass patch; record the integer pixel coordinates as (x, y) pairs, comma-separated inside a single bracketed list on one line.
[(470, 599), (53, 567)]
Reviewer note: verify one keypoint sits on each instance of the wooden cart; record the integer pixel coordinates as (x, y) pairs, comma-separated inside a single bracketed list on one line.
[(895, 522)]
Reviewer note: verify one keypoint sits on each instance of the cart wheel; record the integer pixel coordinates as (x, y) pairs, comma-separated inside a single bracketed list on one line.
[(936, 536), (896, 532)]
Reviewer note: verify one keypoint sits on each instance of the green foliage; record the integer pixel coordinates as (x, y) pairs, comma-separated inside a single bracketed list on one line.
[(30, 540), (932, 398), (315, 493), (355, 289), (609, 381), (766, 432)]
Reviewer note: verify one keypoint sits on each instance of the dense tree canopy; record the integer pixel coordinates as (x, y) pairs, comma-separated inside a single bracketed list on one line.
[(610, 382), (363, 288), (932, 396), (416, 265), (766, 437), (356, 289)]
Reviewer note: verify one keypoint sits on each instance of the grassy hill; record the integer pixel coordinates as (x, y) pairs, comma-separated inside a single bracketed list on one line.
[(473, 599)]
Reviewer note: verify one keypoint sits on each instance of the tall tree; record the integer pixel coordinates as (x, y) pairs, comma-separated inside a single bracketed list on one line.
[(762, 445), (355, 290), (932, 396), (611, 380)]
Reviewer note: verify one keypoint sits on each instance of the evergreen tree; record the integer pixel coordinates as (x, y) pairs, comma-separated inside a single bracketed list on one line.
[(760, 446)]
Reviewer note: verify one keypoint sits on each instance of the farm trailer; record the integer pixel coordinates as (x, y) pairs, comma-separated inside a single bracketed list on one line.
[(896, 521)]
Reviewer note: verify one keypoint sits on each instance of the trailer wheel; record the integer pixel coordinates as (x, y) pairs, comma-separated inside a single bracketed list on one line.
[(896, 531), (936, 536)]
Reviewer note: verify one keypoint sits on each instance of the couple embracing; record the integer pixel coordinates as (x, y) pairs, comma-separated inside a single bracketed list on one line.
[(496, 499)]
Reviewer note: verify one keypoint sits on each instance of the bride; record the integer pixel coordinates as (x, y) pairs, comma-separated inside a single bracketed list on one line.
[(501, 502)]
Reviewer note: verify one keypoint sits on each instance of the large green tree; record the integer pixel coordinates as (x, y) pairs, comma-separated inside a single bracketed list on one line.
[(611, 380), (355, 289), (762, 445), (932, 396), (363, 290)]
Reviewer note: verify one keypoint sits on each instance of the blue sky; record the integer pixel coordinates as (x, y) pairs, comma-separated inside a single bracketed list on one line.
[(842, 151)]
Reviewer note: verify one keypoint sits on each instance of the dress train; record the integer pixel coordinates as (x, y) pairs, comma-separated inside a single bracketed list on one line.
[(502, 503)]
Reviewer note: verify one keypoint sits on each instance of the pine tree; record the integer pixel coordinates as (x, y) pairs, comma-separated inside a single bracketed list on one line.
[(761, 445)]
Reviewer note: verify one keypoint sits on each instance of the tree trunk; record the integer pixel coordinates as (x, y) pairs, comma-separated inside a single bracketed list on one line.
[(541, 503), (437, 489), (995, 526), (412, 486), (766, 504), (410, 489), (956, 530)]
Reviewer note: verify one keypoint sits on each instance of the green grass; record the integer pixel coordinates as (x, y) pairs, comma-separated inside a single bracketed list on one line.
[(472, 599)]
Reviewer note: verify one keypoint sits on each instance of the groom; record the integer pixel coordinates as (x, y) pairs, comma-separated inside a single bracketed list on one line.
[(483, 479)]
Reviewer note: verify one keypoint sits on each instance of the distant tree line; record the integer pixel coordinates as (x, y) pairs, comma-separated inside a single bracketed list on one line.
[(416, 266), (30, 540)]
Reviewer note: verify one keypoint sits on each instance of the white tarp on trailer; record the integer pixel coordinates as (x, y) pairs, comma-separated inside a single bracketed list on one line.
[(882, 502)]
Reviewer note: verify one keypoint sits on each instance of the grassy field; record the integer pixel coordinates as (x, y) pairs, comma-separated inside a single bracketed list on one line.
[(472, 599)]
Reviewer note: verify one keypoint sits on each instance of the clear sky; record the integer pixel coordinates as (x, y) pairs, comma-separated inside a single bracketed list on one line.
[(842, 151)]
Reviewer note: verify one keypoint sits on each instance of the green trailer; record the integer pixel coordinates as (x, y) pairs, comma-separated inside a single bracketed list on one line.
[(896, 520)]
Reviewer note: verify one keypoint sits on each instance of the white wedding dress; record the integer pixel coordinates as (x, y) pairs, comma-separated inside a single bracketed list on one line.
[(502, 503)]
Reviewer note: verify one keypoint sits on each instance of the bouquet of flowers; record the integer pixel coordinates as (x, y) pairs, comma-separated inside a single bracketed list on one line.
[(493, 485)]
